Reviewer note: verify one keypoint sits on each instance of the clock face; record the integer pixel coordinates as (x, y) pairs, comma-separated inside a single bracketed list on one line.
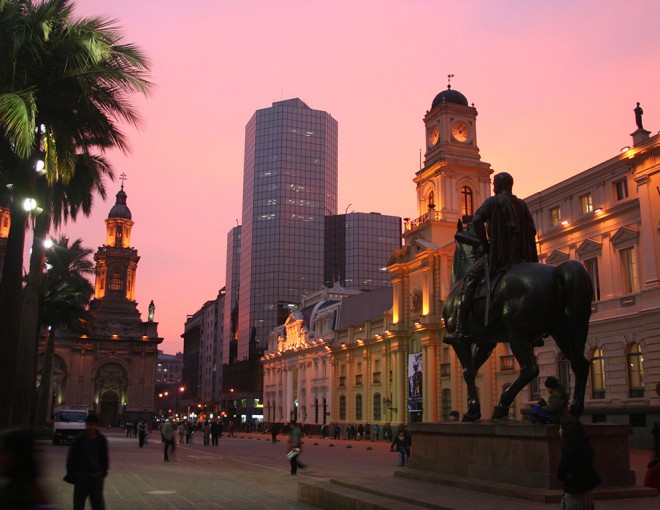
[(434, 135), (460, 130)]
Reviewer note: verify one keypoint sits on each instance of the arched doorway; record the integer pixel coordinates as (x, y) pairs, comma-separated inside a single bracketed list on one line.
[(109, 408)]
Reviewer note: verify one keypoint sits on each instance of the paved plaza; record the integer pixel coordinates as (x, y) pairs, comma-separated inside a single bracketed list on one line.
[(249, 472)]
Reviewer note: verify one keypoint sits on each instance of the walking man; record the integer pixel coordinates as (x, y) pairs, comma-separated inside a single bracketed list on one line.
[(87, 465), (167, 434)]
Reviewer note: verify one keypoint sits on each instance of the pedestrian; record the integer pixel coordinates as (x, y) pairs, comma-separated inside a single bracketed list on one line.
[(274, 429), (19, 470), (167, 435), (576, 466), (337, 432), (401, 444), (376, 432), (215, 432), (232, 427), (295, 448), (182, 432), (142, 433), (206, 431), (87, 465)]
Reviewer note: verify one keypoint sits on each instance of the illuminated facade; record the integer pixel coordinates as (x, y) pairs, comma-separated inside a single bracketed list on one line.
[(608, 218), (113, 369), (297, 365)]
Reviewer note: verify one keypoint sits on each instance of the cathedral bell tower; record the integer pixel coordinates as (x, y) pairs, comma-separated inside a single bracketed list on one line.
[(116, 266), (453, 181)]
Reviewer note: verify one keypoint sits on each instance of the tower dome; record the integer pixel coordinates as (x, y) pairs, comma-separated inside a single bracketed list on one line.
[(120, 209), (449, 96)]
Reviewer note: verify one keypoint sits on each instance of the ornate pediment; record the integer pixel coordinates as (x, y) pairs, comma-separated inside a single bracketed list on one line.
[(557, 257), (625, 237), (588, 249)]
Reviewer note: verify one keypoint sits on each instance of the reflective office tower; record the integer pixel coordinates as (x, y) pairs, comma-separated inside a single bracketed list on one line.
[(232, 279), (357, 249), (289, 186)]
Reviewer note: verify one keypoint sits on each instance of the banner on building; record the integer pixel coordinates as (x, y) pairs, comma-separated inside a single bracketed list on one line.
[(415, 382)]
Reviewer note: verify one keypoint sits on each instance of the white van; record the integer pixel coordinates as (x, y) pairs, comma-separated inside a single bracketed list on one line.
[(67, 423)]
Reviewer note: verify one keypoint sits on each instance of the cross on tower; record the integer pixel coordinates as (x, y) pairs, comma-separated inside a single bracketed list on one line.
[(449, 77), (122, 178)]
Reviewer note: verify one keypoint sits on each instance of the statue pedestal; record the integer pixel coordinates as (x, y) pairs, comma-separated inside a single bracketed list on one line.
[(514, 453)]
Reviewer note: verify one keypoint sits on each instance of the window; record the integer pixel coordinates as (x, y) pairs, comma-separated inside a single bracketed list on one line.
[(629, 275), (446, 403), (358, 407), (592, 269), (597, 374), (467, 204), (535, 389), (586, 204), (116, 281), (620, 189), (377, 407), (342, 407), (431, 200), (555, 216), (636, 371)]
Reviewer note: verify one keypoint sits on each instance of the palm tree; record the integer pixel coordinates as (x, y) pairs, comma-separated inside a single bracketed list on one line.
[(64, 298), (64, 86)]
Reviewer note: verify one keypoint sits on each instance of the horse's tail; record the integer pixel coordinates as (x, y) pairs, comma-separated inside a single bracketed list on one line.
[(577, 293)]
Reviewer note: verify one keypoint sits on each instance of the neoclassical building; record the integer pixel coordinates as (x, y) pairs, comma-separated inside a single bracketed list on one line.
[(608, 217), (112, 370), (297, 364)]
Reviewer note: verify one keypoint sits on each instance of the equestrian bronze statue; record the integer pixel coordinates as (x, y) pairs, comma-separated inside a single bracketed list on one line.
[(518, 301)]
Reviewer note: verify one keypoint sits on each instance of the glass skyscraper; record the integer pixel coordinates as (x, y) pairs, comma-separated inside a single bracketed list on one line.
[(357, 249), (289, 186)]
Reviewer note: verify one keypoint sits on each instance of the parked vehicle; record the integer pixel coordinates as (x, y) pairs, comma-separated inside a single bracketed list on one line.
[(67, 423)]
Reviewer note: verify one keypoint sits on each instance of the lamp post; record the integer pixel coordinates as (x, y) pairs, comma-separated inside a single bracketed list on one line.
[(387, 402)]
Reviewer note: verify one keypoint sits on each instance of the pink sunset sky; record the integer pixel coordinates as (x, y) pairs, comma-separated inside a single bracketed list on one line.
[(555, 84)]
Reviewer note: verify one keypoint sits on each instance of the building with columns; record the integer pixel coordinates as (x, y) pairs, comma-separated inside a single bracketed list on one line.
[(608, 218), (112, 370)]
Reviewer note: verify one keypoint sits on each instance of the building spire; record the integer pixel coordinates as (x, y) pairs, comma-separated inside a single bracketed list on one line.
[(449, 77), (123, 177)]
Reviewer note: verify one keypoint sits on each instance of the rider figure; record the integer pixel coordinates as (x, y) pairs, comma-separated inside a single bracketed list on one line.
[(509, 240)]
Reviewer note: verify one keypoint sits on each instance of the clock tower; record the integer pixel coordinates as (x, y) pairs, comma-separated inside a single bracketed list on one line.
[(453, 181), (116, 266)]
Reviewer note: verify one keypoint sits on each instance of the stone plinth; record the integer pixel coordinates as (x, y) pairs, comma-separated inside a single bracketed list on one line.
[(515, 453)]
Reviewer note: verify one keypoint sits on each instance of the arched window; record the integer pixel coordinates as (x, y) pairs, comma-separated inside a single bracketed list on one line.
[(431, 200), (636, 371), (377, 408), (342, 407), (467, 203), (358, 407), (597, 374)]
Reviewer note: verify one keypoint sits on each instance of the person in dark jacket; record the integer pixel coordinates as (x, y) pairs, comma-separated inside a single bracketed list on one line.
[(576, 466), (87, 465)]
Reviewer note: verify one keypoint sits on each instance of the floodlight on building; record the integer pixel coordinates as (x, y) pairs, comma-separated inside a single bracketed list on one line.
[(625, 149), (564, 223)]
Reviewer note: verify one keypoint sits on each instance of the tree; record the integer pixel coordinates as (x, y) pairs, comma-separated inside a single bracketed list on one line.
[(64, 87), (64, 299)]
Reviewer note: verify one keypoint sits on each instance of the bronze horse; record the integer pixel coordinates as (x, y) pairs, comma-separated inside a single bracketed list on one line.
[(528, 303)]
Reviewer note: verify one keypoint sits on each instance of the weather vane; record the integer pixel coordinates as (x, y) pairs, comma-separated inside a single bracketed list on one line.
[(449, 77), (122, 178)]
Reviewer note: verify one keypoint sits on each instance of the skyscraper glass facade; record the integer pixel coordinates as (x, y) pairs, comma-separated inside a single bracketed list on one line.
[(289, 186), (233, 276), (358, 247)]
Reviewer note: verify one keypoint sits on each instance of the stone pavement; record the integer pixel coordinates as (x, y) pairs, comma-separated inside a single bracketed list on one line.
[(250, 472)]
